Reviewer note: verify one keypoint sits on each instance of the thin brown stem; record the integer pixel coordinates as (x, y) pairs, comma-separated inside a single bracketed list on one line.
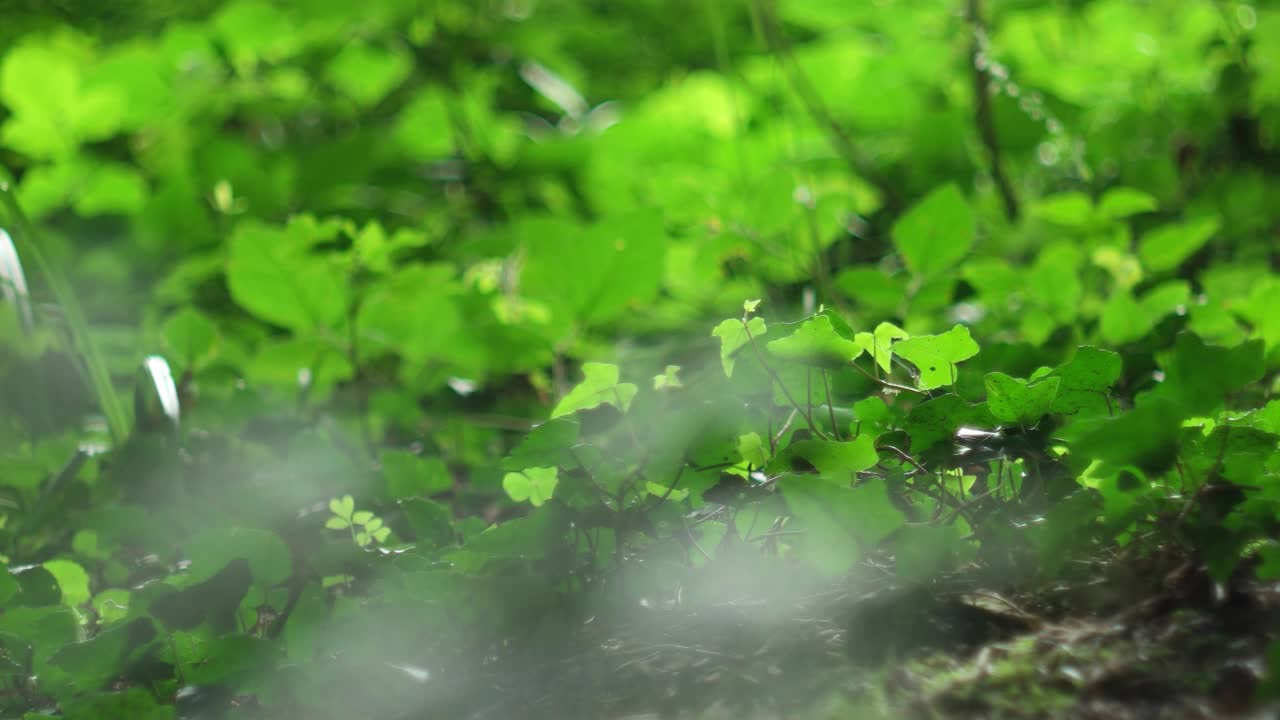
[(979, 63), (773, 374)]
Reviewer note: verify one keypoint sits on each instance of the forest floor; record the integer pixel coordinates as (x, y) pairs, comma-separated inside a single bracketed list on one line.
[(1117, 639)]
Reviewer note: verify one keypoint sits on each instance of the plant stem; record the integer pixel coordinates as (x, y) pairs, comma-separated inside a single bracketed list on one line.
[(979, 62)]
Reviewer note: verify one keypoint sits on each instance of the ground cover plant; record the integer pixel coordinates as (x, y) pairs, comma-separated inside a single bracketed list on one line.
[(752, 359)]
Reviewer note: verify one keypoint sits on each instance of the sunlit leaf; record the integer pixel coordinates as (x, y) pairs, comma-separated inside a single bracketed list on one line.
[(935, 356), (536, 485), (599, 387)]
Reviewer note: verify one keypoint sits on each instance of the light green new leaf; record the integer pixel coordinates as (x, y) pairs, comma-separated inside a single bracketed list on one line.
[(1122, 202), (753, 450), (1016, 400), (936, 232), (1165, 248), (51, 109), (669, 379), (733, 336), (880, 344), (343, 507), (935, 356), (659, 490), (536, 485), (1068, 209), (816, 343), (599, 387), (72, 580)]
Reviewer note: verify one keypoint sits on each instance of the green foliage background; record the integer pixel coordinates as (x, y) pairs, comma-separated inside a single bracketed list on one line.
[(377, 242)]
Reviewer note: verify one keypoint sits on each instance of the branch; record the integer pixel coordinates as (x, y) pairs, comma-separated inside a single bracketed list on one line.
[(979, 62)]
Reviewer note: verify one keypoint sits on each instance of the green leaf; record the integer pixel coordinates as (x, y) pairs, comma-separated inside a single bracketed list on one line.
[(343, 507), (546, 444), (72, 579), (816, 343), (190, 337), (111, 605), (536, 485), (131, 704), (1068, 209), (8, 586), (51, 109), (733, 336), (366, 73), (871, 287), (1125, 320), (111, 188), (432, 522), (935, 356), (936, 233), (1016, 400), (1146, 437), (273, 275), (837, 460), (94, 662), (413, 313), (1166, 247), (1122, 202), (232, 660), (753, 450), (409, 475), (269, 558), (1086, 381), (600, 387), (1199, 376), (659, 490), (337, 523), (939, 418), (880, 344), (361, 517), (839, 524), (45, 629), (593, 274), (669, 379)]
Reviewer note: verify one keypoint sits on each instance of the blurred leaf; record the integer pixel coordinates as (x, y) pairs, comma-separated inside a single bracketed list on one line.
[(936, 233), (840, 524), (272, 274), (599, 387), (409, 475), (209, 551), (1165, 248)]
